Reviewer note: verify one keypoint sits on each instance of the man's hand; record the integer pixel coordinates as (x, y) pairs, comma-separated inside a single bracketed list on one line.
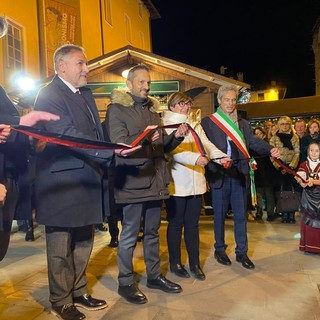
[(33, 117), (3, 193), (126, 152), (225, 162), (4, 132)]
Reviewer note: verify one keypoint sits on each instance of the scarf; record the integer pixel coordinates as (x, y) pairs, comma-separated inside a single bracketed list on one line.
[(285, 138)]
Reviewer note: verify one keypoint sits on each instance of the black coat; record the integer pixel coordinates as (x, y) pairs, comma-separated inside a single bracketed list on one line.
[(68, 183)]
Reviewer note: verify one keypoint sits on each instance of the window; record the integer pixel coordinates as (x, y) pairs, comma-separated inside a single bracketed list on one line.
[(128, 28), (13, 47), (140, 8), (107, 13), (260, 96), (142, 42)]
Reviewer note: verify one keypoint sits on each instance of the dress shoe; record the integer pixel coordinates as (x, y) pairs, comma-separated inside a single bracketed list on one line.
[(245, 261), (132, 294), (101, 227), (222, 258), (29, 235), (113, 243), (89, 303), (67, 312), (198, 273), (164, 284), (179, 270)]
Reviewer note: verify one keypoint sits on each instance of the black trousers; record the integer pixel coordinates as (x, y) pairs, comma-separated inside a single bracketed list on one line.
[(183, 214)]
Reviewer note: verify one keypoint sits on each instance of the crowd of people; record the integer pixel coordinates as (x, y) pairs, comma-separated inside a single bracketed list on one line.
[(156, 161), (299, 144)]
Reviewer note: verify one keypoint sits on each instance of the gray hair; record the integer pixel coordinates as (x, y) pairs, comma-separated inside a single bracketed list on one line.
[(62, 51), (224, 89), (132, 70)]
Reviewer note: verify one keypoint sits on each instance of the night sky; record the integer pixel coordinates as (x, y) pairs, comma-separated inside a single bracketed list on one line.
[(266, 40)]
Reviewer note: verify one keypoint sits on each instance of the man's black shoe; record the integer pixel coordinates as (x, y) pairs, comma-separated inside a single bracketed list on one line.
[(222, 258), (245, 261), (132, 294), (29, 235), (101, 227), (198, 273), (89, 303), (67, 312), (164, 284), (179, 270), (113, 243)]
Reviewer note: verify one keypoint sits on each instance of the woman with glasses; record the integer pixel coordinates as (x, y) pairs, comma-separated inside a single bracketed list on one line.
[(187, 185), (287, 141)]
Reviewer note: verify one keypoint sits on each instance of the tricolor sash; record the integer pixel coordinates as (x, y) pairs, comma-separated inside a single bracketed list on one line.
[(231, 130)]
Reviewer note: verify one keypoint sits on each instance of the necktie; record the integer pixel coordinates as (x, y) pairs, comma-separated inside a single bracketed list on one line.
[(89, 112)]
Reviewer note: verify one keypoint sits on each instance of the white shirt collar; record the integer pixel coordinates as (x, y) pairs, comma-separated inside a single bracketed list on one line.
[(70, 86)]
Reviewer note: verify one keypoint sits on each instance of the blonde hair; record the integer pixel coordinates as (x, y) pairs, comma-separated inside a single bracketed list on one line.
[(177, 97)]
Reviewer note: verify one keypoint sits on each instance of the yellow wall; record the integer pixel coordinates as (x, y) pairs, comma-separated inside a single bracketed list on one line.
[(115, 34), (88, 31), (91, 28), (98, 42)]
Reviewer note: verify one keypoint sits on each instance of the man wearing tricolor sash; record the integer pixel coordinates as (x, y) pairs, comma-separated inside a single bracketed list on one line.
[(230, 186)]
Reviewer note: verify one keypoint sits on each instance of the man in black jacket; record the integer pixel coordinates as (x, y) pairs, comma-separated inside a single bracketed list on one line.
[(141, 180)]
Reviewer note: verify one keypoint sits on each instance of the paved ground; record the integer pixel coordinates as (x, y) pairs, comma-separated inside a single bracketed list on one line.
[(284, 285)]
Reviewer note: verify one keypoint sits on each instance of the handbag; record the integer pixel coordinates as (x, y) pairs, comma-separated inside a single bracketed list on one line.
[(287, 201)]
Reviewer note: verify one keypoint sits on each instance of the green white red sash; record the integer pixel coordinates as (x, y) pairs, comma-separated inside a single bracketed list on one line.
[(231, 130)]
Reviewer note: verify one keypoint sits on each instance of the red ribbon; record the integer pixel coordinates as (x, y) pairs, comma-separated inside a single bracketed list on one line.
[(288, 170), (67, 141), (174, 126), (75, 142)]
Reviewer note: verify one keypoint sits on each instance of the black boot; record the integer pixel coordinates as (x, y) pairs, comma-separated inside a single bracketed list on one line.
[(284, 217), (29, 233), (291, 217), (259, 214)]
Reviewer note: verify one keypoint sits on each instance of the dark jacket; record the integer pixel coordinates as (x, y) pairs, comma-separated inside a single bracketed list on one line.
[(217, 136), (13, 153), (142, 176), (68, 185), (265, 174), (13, 164)]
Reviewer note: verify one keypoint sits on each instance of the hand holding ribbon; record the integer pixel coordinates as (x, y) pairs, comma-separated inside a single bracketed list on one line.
[(288, 170)]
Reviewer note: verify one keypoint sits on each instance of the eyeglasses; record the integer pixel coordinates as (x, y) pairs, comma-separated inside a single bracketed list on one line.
[(183, 103), (284, 124)]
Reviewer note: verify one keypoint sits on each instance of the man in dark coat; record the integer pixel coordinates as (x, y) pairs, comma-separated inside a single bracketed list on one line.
[(68, 184), (229, 187), (141, 180)]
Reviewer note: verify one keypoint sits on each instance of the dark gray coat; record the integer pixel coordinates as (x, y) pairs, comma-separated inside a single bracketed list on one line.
[(68, 182), (142, 176)]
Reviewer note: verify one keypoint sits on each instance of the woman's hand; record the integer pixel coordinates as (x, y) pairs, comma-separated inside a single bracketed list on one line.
[(202, 161), (182, 130)]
